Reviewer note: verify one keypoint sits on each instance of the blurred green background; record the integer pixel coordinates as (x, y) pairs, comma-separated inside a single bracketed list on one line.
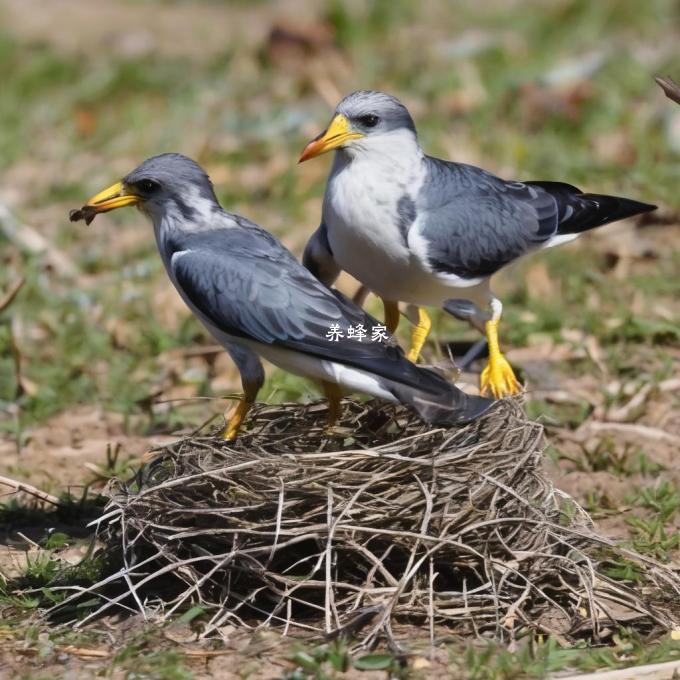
[(558, 90)]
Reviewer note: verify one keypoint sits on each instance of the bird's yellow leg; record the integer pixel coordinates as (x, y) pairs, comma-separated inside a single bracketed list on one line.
[(234, 422), (498, 378), (391, 316), (333, 394), (419, 335), (250, 390)]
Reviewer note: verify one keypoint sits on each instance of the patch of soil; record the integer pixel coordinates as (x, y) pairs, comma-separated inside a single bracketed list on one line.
[(64, 452)]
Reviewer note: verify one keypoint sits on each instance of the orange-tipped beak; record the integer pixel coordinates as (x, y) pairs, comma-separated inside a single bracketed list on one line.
[(337, 133)]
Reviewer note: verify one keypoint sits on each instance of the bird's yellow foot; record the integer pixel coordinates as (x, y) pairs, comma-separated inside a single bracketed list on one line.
[(498, 379), (419, 335), (234, 423)]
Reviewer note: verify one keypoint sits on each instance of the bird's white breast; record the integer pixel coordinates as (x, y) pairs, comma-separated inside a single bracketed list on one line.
[(362, 215), (362, 218)]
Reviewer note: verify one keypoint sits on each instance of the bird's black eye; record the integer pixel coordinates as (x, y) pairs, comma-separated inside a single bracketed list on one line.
[(369, 120), (147, 186)]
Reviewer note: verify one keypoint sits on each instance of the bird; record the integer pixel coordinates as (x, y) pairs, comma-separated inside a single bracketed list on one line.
[(430, 232), (258, 301)]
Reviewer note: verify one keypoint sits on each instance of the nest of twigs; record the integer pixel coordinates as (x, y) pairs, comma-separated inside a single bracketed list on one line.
[(395, 522)]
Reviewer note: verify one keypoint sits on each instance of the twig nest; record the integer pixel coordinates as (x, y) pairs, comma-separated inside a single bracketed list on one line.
[(392, 522)]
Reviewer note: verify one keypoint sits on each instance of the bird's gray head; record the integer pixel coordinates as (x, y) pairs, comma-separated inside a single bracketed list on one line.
[(374, 112), (166, 184), (364, 121)]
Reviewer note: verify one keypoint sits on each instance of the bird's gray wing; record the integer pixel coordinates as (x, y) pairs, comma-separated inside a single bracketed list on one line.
[(475, 223), (244, 282), (318, 257)]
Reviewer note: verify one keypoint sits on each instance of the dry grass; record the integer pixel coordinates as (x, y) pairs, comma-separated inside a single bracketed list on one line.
[(399, 523)]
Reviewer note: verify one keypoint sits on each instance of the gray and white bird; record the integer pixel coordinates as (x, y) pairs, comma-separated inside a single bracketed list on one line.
[(421, 230), (257, 300)]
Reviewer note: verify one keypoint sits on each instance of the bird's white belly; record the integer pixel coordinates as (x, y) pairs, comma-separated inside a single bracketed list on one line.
[(308, 366), (380, 263), (378, 257)]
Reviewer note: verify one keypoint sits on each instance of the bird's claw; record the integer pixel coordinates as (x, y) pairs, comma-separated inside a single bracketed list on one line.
[(413, 354), (498, 379), (230, 434)]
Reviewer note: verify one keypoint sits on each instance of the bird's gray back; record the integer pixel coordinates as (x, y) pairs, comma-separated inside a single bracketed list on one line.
[(244, 282)]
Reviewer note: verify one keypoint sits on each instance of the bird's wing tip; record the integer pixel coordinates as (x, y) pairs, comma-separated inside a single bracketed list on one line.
[(479, 406)]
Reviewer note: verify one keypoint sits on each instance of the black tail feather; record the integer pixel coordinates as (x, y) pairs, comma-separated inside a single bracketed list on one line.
[(446, 408), (580, 212)]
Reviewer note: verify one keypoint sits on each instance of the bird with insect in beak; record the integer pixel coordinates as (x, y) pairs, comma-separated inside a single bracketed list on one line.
[(257, 300), (429, 232)]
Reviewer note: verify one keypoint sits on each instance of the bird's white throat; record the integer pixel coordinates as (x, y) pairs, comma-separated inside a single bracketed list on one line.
[(374, 171), (399, 147), (369, 205)]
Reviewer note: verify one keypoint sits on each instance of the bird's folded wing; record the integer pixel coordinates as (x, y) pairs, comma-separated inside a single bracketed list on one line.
[(318, 257), (244, 282), (475, 223)]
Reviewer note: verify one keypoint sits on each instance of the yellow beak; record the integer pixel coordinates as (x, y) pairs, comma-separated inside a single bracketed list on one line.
[(111, 198), (337, 133)]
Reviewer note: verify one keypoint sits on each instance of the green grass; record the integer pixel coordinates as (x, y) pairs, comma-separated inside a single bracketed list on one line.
[(52, 529), (141, 660), (538, 659), (534, 658), (67, 366), (656, 532)]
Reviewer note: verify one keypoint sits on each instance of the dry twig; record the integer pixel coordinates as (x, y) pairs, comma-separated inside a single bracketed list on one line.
[(433, 527), (30, 490)]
